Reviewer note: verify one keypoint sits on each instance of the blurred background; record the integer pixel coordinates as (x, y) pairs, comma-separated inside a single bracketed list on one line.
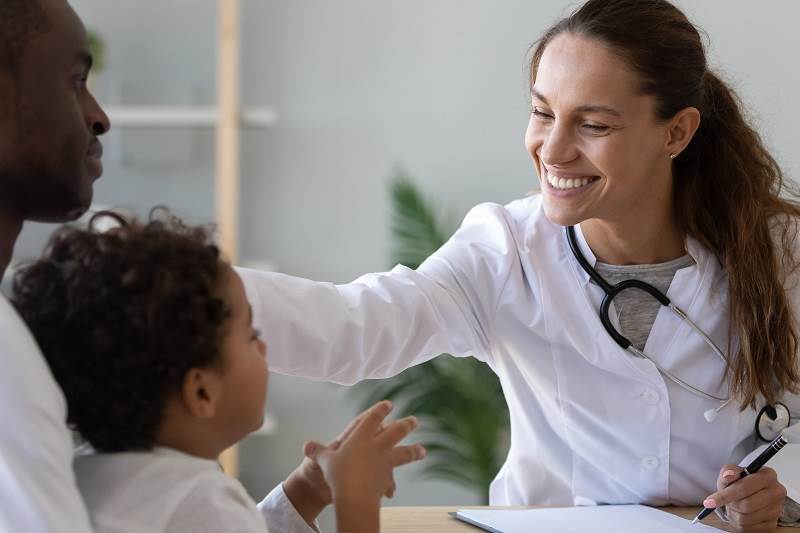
[(351, 93)]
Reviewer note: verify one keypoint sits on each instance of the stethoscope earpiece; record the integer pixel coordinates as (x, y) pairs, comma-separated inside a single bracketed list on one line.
[(711, 414)]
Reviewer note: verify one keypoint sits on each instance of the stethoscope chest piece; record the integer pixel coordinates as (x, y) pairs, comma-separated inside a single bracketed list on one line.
[(771, 420)]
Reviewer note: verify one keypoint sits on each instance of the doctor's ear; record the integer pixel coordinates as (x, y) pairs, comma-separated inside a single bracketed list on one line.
[(201, 392), (681, 129)]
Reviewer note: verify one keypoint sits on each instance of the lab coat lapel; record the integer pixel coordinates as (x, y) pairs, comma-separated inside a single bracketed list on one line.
[(701, 292), (598, 348)]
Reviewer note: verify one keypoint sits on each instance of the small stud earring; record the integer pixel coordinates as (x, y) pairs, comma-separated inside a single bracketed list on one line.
[(673, 156)]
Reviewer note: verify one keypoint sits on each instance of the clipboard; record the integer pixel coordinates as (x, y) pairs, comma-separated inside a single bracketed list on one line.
[(599, 519)]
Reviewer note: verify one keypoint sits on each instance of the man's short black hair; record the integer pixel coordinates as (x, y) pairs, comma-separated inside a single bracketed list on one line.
[(121, 317), (20, 22)]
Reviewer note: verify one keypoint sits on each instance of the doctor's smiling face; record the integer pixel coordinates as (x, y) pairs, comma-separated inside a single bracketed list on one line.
[(594, 137)]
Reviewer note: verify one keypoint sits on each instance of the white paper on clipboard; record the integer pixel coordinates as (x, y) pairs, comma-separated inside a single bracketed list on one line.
[(598, 519)]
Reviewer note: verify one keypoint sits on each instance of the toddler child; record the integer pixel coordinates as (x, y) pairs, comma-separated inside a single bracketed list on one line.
[(148, 332)]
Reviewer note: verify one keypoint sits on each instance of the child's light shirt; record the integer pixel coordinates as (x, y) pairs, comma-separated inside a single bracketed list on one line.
[(167, 491)]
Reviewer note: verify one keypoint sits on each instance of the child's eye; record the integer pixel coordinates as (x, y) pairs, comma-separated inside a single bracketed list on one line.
[(256, 334)]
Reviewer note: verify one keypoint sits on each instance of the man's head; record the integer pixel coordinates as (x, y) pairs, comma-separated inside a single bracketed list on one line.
[(49, 121)]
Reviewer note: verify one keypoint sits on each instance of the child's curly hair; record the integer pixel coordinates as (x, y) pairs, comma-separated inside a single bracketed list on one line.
[(121, 316)]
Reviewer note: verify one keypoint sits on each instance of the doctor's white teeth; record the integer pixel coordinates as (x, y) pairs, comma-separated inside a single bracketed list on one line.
[(562, 183)]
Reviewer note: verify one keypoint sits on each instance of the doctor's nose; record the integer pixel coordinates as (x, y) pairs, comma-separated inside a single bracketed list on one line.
[(557, 147)]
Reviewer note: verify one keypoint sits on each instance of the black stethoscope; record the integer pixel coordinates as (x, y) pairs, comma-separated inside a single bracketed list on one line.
[(771, 420)]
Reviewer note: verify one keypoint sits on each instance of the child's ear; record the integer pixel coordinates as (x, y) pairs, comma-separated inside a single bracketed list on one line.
[(201, 392)]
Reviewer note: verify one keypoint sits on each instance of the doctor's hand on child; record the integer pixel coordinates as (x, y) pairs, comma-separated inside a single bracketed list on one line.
[(355, 470), (753, 503)]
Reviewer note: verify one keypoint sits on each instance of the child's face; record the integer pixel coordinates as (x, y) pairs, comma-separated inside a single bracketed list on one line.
[(244, 373)]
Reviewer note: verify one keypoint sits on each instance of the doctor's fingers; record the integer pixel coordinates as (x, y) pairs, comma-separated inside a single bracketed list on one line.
[(745, 487), (771, 497), (396, 431), (763, 520), (727, 475)]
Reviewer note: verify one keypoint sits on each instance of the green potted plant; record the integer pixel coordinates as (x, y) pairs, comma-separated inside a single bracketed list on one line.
[(458, 401)]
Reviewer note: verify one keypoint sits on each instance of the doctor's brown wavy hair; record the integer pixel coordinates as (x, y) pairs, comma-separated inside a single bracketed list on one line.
[(727, 186), (121, 316)]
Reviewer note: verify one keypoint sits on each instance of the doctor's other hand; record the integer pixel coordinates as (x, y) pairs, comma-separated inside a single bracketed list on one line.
[(753, 503)]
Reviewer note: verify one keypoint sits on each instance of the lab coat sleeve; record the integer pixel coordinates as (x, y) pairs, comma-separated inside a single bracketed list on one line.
[(381, 324)]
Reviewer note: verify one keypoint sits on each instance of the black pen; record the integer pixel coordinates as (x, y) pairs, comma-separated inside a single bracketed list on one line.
[(752, 468)]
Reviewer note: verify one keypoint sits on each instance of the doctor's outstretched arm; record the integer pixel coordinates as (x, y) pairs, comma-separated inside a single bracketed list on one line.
[(381, 324)]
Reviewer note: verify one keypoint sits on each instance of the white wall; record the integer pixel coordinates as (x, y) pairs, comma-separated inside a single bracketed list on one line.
[(362, 86)]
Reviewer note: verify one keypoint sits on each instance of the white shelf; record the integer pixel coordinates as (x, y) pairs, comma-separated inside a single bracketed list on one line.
[(185, 117)]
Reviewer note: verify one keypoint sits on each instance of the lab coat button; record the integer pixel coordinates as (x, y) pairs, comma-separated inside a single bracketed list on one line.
[(650, 463), (650, 396)]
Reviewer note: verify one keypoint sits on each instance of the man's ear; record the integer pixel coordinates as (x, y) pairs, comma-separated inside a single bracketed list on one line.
[(681, 130), (201, 392)]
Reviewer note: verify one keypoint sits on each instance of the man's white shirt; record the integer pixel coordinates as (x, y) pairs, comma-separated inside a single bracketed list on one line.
[(38, 493)]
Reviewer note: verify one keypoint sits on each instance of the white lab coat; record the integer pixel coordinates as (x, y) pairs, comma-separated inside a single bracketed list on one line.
[(590, 423)]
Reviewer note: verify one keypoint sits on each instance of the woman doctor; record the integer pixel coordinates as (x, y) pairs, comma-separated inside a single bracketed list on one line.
[(644, 152)]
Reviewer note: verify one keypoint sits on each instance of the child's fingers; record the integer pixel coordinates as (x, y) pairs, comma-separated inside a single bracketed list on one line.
[(312, 449), (391, 490), (351, 426), (402, 455), (396, 431), (371, 420)]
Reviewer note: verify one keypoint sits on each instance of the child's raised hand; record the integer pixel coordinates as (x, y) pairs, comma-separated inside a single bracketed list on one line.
[(359, 465), (366, 452), (307, 487)]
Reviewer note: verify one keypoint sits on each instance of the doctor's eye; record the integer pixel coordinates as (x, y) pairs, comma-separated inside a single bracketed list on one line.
[(256, 335), (596, 128), (541, 115)]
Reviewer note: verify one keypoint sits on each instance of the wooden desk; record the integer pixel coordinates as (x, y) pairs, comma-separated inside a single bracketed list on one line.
[(436, 519)]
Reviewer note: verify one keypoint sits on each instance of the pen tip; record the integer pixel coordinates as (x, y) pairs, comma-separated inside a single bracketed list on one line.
[(695, 520)]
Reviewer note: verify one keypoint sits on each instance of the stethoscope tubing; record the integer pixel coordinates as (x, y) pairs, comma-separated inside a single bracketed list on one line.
[(610, 291)]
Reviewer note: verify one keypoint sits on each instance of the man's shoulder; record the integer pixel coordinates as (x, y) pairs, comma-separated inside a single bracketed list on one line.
[(25, 378)]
